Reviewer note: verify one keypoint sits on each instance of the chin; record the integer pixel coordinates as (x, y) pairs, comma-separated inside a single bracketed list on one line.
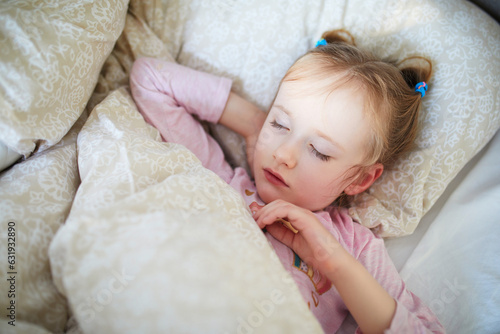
[(265, 194), (269, 196)]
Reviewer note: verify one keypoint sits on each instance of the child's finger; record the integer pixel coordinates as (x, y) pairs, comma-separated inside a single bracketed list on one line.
[(274, 212), (254, 207), (262, 214), (281, 233)]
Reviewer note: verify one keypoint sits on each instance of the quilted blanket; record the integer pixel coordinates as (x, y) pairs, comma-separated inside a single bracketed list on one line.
[(108, 229)]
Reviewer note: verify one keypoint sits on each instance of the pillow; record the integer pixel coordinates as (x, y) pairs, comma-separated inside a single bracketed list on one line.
[(156, 243), (152, 29), (255, 42), (50, 56), (460, 112), (50, 59)]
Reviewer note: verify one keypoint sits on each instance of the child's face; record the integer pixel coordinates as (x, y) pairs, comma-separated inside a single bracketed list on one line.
[(308, 145)]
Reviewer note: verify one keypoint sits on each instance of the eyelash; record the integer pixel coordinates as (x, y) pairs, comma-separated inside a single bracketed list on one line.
[(319, 155), (277, 125)]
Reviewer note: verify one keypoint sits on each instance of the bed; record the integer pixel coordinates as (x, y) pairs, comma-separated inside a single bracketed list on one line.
[(106, 229)]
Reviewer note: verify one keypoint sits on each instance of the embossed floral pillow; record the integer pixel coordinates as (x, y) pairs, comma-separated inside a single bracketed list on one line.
[(255, 42), (50, 59)]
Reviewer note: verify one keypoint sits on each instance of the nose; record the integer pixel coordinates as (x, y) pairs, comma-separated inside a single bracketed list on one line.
[(286, 154)]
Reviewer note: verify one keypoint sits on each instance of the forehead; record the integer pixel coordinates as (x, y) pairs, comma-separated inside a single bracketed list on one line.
[(310, 96), (338, 113)]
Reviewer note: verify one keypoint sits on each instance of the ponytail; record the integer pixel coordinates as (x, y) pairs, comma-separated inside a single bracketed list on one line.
[(395, 104), (414, 72)]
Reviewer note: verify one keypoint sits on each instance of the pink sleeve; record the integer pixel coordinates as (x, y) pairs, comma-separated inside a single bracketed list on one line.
[(168, 94), (412, 315)]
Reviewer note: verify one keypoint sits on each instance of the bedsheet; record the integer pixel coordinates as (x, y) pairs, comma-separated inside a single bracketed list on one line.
[(455, 265), (84, 197)]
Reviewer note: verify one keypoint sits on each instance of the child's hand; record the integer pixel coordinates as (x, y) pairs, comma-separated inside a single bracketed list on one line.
[(371, 306), (313, 242)]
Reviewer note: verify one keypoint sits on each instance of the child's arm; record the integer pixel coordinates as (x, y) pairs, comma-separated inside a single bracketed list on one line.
[(370, 304), (242, 116), (168, 95)]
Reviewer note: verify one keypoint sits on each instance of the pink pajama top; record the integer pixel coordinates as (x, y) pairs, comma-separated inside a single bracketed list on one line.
[(168, 94)]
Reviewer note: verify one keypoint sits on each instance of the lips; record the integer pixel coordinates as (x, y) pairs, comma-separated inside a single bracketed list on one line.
[(274, 178)]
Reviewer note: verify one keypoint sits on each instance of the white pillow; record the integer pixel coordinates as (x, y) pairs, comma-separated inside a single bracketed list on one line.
[(7, 156), (49, 63), (255, 42)]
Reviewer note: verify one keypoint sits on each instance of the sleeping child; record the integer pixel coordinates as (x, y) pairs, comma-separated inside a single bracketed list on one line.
[(340, 117)]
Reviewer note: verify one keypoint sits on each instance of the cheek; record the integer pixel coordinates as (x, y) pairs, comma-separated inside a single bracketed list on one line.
[(265, 137), (267, 143), (261, 146), (318, 190), (326, 180)]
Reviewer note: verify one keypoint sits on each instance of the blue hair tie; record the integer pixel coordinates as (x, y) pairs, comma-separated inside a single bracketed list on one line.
[(421, 87), (321, 42)]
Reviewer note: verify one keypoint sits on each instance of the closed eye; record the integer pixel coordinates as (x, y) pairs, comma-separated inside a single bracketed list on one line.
[(319, 155), (277, 125)]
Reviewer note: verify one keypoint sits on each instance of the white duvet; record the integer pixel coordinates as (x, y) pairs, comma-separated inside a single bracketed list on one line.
[(155, 242), (143, 239)]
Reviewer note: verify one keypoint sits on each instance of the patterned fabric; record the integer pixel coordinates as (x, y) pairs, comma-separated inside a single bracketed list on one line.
[(460, 111), (36, 195), (252, 42), (255, 42), (148, 224), (51, 56)]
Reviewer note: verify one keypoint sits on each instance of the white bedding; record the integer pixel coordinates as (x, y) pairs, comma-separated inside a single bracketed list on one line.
[(454, 265), (132, 235)]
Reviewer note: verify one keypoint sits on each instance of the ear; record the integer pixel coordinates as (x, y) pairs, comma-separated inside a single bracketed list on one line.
[(364, 181)]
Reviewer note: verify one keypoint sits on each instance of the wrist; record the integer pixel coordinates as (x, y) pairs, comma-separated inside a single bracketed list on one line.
[(333, 259), (242, 116)]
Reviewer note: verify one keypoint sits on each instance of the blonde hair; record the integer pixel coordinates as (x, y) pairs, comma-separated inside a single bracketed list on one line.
[(392, 103)]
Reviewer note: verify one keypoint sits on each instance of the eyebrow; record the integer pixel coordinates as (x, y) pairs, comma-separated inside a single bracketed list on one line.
[(317, 132), (285, 110), (328, 139)]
